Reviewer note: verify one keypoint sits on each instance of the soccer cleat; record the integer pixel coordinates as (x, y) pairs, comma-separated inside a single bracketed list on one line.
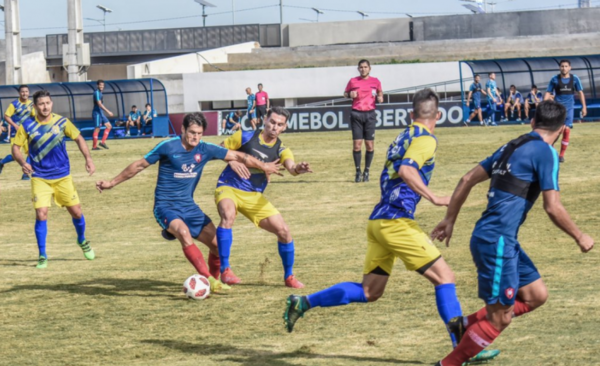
[(358, 177), (295, 308), (456, 328), (102, 144), (229, 278), (127, 134), (561, 159), (483, 357), (25, 177), (1, 167), (88, 252), (95, 148), (42, 262), (366, 176), (217, 286), (292, 282)]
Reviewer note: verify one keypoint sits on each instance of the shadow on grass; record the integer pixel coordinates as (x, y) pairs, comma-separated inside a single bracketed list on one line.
[(249, 357), (30, 262)]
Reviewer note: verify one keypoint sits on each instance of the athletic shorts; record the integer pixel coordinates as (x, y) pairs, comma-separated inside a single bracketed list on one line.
[(570, 115), (476, 104), (191, 215), (229, 125), (261, 111), (502, 269), (251, 115), (99, 119), (254, 205), (363, 125), (62, 189), (399, 238)]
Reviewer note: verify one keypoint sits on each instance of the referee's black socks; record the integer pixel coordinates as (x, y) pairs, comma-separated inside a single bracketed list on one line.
[(368, 160), (357, 157)]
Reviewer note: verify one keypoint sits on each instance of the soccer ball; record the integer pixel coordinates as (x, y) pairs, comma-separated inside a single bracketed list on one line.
[(196, 287)]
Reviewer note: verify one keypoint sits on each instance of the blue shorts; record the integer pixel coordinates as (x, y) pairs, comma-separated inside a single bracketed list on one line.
[(192, 216), (99, 119), (569, 119), (229, 125), (502, 269), (251, 115), (476, 104)]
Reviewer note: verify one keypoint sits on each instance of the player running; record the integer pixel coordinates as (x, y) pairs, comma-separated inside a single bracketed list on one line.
[(251, 109), (50, 169), (509, 283), (475, 91), (99, 117), (181, 161), (564, 86), (18, 111), (241, 191), (392, 230)]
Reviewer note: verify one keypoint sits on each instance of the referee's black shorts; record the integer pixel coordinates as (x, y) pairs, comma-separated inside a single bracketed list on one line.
[(363, 125), (261, 111)]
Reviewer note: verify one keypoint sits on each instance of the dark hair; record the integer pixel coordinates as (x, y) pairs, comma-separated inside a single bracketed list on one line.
[(40, 94), (513, 86), (363, 61), (148, 104), (133, 106), (563, 61), (534, 86), (425, 104), (238, 113), (23, 86), (259, 84), (490, 73), (279, 111), (550, 115), (99, 82), (196, 118), (476, 76)]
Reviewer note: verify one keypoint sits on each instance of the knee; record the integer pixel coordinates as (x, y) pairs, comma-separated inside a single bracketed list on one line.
[(41, 215), (500, 320), (227, 219), (283, 234), (540, 298), (372, 295)]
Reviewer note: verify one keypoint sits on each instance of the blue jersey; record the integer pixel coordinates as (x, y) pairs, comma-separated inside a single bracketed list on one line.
[(134, 115), (568, 100), (517, 96), (414, 147), (251, 100), (491, 84), (535, 162), (179, 170), (531, 99), (476, 89), (98, 98)]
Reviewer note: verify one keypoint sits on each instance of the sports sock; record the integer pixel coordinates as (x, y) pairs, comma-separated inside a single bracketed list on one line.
[(447, 304), (105, 136), (224, 241), (357, 156), (368, 159), (80, 228), (7, 159), (340, 294), (565, 141), (519, 309), (286, 252), (195, 257), (41, 231), (479, 336), (214, 265), (95, 138)]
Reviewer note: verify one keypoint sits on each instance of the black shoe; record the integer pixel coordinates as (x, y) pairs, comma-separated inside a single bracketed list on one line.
[(1, 167), (456, 328), (167, 235), (561, 159), (358, 177), (95, 148), (439, 363), (102, 144), (295, 307), (366, 176)]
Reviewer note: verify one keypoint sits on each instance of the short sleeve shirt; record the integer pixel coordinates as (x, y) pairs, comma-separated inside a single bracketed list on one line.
[(367, 90)]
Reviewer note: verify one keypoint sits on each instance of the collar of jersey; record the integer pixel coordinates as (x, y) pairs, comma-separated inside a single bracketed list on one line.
[(52, 120), (421, 125), (262, 142)]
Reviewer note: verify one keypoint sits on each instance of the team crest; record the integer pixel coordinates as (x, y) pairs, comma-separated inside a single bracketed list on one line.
[(198, 158), (510, 293), (55, 130)]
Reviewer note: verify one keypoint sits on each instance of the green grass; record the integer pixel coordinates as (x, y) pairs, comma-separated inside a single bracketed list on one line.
[(126, 307)]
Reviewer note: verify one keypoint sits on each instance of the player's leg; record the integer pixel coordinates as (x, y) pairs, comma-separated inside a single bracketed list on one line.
[(139, 126), (41, 194), (107, 128), (227, 206), (564, 144), (492, 111), (98, 122), (369, 135), (79, 224), (480, 116), (208, 237), (527, 108), (128, 125), (518, 106)]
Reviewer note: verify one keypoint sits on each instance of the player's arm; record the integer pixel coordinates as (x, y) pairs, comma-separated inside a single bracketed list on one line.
[(101, 105), (469, 96), (583, 104), (89, 163), (240, 162), (291, 166), (19, 141), (253, 105), (410, 175), (560, 217), (131, 171), (10, 111)]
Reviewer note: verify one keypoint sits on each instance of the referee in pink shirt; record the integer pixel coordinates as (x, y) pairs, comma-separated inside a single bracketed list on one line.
[(263, 104), (363, 90)]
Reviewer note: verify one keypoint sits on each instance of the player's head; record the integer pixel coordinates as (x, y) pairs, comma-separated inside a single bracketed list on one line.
[(42, 103), (193, 127), (276, 121), (100, 84), (364, 68), (148, 106), (260, 86), (477, 78), (565, 67), (425, 106), (513, 88), (23, 92), (134, 108), (238, 113), (549, 116), (492, 76), (248, 91), (534, 87)]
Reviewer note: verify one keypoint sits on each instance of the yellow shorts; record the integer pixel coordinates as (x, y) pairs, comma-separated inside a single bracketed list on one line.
[(398, 238), (24, 148), (62, 189), (253, 205)]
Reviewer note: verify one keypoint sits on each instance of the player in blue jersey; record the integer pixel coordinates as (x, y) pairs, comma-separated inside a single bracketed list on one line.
[(533, 99), (231, 123), (181, 161), (493, 97), (50, 169), (475, 91), (564, 86), (392, 231), (251, 107), (514, 100), (237, 193), (133, 119), (99, 117), (509, 283), (18, 111)]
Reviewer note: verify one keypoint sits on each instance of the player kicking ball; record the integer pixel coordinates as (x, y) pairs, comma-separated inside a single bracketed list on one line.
[(240, 190), (509, 283), (392, 230), (50, 169), (181, 161)]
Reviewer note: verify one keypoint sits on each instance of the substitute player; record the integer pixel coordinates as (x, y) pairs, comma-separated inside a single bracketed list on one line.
[(475, 91), (364, 90), (251, 109), (50, 169), (392, 231), (239, 190), (99, 117), (181, 161), (564, 86), (493, 97), (509, 283), (514, 100), (533, 99), (18, 111)]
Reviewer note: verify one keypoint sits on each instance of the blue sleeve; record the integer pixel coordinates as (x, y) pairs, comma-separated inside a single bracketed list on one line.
[(577, 83), (230, 116), (155, 154), (472, 88), (488, 163), (96, 96), (213, 151), (551, 85), (546, 168), (246, 136)]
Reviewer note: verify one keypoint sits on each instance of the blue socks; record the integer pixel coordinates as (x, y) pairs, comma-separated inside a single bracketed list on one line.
[(224, 241), (80, 228), (41, 231), (286, 252), (7, 159), (447, 304), (340, 294)]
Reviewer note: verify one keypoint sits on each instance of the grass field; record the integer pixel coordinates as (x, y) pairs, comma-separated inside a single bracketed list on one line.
[(126, 307)]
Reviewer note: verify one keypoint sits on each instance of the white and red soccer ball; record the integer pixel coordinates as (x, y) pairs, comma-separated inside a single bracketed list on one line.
[(196, 287)]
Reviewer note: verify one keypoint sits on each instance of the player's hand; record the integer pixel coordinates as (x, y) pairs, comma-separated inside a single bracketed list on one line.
[(27, 169), (380, 99), (110, 114), (272, 168), (441, 201), (443, 231), (90, 167), (240, 169), (584, 111), (585, 242), (102, 185), (252, 110), (302, 168), (353, 94)]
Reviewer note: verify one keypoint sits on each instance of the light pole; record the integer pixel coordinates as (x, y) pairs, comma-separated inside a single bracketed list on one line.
[(204, 4), (318, 12), (363, 14), (104, 11)]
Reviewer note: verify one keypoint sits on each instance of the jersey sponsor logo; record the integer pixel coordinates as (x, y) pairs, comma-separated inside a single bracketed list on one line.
[(510, 293), (176, 156), (261, 154), (188, 172), (35, 134), (198, 158)]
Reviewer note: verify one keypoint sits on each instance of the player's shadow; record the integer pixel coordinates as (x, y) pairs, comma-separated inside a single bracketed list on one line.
[(109, 287), (29, 262), (248, 357)]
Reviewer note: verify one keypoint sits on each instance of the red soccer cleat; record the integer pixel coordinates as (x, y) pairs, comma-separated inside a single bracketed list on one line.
[(229, 278), (292, 282)]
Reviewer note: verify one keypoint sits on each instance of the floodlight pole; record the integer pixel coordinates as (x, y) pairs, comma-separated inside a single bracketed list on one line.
[(280, 11), (75, 37), (12, 26), (204, 15), (233, 11)]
